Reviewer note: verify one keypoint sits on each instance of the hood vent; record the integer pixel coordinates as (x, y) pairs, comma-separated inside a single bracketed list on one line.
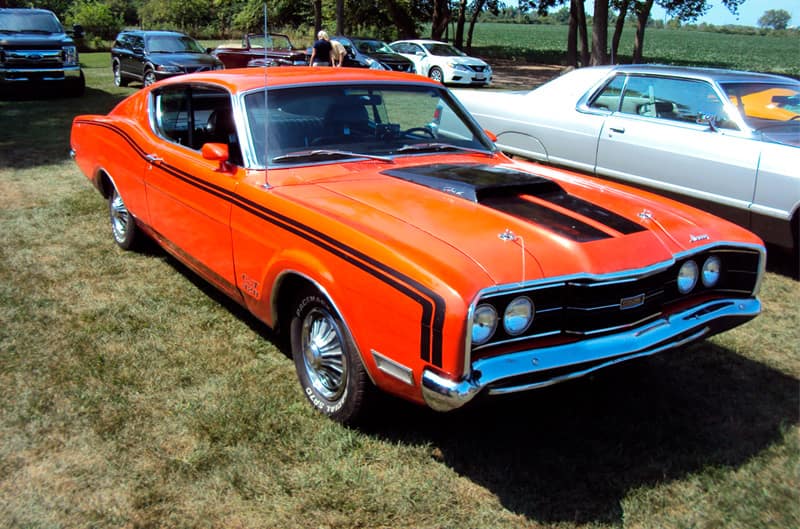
[(509, 191), (477, 182)]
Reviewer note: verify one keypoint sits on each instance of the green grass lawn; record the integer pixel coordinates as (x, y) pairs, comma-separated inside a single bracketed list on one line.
[(546, 44), (133, 395)]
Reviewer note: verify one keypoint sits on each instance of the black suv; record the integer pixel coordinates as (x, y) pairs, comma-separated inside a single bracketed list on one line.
[(373, 53), (149, 56), (34, 48)]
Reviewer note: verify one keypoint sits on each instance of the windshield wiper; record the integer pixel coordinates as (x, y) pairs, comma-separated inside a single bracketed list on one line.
[(436, 147), (329, 153), (37, 31)]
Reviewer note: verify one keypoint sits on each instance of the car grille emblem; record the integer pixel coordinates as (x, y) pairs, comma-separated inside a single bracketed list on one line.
[(631, 302)]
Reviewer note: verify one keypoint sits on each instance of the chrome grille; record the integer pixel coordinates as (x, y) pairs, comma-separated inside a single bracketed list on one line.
[(585, 306)]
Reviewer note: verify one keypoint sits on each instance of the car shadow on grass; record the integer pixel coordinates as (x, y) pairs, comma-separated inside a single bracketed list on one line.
[(573, 452)]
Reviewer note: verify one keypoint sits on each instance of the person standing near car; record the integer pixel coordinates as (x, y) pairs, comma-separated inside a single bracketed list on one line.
[(339, 53), (322, 52)]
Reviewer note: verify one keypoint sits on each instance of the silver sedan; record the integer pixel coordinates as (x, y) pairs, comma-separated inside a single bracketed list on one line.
[(727, 141)]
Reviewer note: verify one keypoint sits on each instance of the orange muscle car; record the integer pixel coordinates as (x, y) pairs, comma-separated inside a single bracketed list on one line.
[(366, 217)]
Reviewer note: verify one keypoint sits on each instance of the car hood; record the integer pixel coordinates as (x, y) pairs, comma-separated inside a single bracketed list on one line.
[(513, 224), (184, 59), (389, 58), (468, 61), (21, 40)]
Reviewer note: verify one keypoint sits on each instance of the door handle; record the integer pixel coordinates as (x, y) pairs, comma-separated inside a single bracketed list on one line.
[(153, 158), (619, 130)]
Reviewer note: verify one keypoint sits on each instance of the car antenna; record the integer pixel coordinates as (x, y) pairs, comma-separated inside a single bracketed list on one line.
[(266, 107)]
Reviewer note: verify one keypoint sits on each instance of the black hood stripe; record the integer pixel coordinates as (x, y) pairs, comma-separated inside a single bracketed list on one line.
[(504, 189)]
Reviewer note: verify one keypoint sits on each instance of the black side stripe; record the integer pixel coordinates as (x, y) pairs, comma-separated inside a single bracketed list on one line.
[(432, 304)]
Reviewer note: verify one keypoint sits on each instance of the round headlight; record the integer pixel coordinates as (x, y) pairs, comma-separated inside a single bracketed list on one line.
[(484, 322), (687, 277), (711, 271), (518, 316)]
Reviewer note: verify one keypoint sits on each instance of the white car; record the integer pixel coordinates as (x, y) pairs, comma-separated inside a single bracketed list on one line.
[(726, 141), (443, 62)]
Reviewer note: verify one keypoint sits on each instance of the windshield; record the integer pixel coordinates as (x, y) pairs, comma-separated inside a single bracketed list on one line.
[(173, 44), (443, 50), (330, 123), (272, 42), (372, 46), (33, 22)]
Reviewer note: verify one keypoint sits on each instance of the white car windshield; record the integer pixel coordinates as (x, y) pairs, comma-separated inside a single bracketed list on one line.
[(336, 122), (444, 50)]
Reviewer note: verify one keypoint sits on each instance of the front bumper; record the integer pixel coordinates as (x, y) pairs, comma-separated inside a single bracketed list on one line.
[(468, 77), (29, 75), (537, 368)]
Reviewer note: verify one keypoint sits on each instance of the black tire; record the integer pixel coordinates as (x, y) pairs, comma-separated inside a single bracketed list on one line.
[(123, 226), (149, 77), (328, 367), (119, 79), (77, 86), (436, 74)]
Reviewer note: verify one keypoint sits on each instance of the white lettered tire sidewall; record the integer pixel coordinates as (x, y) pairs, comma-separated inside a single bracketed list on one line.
[(321, 346)]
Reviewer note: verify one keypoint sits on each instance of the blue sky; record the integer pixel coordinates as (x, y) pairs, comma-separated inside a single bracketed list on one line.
[(749, 12)]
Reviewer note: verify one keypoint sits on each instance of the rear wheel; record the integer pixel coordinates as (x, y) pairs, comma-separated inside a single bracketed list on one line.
[(328, 366), (436, 74), (119, 79), (123, 226)]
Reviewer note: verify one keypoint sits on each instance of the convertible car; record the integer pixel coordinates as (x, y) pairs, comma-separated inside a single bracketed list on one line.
[(726, 141), (366, 217)]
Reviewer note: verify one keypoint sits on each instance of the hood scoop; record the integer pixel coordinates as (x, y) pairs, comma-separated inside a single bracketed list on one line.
[(477, 182), (523, 195)]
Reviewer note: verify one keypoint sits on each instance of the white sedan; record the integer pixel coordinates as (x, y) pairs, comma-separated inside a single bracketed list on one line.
[(727, 141), (443, 62)]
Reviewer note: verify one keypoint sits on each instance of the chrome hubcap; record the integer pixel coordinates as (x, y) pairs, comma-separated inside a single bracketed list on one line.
[(323, 353), (119, 217)]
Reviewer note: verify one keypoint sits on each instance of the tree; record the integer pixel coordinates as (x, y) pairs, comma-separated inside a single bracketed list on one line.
[(600, 33), (622, 14), (439, 18), (775, 19)]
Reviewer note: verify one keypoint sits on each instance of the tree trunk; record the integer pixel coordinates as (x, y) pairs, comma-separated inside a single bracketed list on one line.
[(340, 17), (405, 24), (623, 13), (458, 41), (441, 17), (478, 7), (582, 34), (572, 35), (317, 17), (642, 14), (600, 33)]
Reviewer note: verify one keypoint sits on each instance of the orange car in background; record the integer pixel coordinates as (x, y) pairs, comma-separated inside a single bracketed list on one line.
[(364, 215)]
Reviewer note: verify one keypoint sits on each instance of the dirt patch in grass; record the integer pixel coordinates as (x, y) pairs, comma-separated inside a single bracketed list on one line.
[(517, 75)]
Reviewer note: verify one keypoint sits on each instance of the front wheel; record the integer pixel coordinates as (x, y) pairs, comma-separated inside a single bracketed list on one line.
[(436, 74), (149, 77), (327, 363)]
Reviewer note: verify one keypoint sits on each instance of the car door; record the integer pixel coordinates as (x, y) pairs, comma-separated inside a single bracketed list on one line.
[(189, 197), (417, 55), (654, 139), (134, 64)]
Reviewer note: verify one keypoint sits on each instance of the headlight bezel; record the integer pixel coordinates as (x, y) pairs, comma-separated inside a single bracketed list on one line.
[(481, 309), (528, 321)]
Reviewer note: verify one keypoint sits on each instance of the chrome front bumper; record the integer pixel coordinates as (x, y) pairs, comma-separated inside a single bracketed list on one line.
[(565, 362), (24, 75)]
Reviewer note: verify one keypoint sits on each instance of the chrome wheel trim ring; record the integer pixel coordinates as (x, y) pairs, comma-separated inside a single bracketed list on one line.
[(324, 356), (149, 78), (120, 217), (437, 75)]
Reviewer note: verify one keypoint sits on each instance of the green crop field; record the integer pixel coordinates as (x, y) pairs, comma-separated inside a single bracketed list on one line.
[(546, 44), (134, 396)]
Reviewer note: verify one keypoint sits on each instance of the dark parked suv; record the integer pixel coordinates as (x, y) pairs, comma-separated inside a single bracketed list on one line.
[(149, 56), (35, 48)]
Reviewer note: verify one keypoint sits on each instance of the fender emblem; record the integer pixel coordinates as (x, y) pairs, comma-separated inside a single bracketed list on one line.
[(631, 302), (698, 238)]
